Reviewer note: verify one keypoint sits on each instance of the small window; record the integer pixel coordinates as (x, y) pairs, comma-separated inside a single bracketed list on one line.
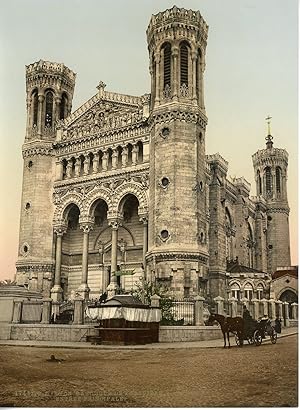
[(30, 163), (49, 109), (35, 103), (165, 182), (27, 206), (165, 132), (164, 234)]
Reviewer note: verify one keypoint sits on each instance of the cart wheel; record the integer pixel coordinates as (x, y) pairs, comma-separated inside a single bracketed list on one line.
[(257, 338), (273, 337)]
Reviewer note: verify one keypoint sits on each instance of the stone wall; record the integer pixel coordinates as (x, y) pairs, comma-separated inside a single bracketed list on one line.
[(188, 333), (57, 333)]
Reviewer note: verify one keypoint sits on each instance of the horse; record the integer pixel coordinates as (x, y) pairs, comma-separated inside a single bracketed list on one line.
[(228, 324)]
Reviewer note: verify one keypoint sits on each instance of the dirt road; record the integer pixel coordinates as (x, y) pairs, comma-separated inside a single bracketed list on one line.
[(248, 376)]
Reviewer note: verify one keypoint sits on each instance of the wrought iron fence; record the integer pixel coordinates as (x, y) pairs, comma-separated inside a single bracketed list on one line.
[(183, 311)]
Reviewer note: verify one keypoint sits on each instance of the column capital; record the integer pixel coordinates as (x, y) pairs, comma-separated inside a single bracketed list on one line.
[(143, 219), (86, 224), (41, 97), (114, 224), (60, 228)]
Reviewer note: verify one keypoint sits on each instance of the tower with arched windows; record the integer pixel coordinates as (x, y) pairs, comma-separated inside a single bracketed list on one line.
[(270, 167), (49, 90), (178, 249)]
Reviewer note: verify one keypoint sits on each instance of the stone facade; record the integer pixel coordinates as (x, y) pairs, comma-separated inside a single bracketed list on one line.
[(124, 185)]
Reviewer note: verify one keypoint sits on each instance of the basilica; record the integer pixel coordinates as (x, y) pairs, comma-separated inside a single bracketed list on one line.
[(122, 189)]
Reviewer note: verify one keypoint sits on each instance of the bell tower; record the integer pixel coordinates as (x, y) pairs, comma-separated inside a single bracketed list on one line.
[(178, 249), (49, 90), (270, 168)]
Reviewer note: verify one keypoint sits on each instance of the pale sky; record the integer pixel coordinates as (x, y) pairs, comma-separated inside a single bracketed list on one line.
[(251, 72)]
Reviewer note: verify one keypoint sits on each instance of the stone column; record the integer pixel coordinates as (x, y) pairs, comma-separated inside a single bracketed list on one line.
[(86, 165), (199, 310), (17, 311), (287, 314), (56, 291), (41, 98), (194, 82), (112, 287), (157, 77), (295, 311), (46, 312), (279, 302), (135, 150), (104, 161), (114, 159), (201, 88), (220, 305), (246, 302), (124, 157), (272, 309), (86, 226), (175, 52), (144, 219), (255, 308), (233, 303), (78, 311), (95, 162), (56, 111)]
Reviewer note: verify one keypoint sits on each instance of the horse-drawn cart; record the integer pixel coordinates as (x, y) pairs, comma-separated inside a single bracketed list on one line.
[(251, 330), (255, 331)]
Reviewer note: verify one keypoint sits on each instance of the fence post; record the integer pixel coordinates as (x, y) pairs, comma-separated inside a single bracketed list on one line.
[(255, 308), (287, 314), (246, 303), (294, 311), (280, 309), (78, 311), (220, 305), (46, 312), (17, 311), (265, 307), (155, 299), (272, 309), (233, 304), (199, 310)]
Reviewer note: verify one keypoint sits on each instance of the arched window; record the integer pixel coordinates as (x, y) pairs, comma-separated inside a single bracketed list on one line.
[(278, 179), (184, 64), (49, 109), (259, 187), (35, 104), (268, 176), (260, 291), (63, 107), (248, 291), (235, 291), (228, 237), (197, 73), (167, 65)]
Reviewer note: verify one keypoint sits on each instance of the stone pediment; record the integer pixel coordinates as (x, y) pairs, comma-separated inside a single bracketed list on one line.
[(104, 112)]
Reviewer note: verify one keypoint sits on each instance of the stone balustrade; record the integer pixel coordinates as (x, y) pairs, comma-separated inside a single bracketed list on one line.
[(98, 161)]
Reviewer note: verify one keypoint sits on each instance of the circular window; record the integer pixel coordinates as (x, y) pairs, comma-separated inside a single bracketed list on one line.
[(164, 234), (30, 163), (165, 182), (269, 218), (270, 246), (27, 206), (25, 249), (165, 132)]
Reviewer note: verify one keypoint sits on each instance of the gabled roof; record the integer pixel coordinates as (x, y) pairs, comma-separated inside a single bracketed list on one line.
[(235, 267)]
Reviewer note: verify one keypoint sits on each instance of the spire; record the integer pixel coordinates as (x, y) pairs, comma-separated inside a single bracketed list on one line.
[(269, 137)]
